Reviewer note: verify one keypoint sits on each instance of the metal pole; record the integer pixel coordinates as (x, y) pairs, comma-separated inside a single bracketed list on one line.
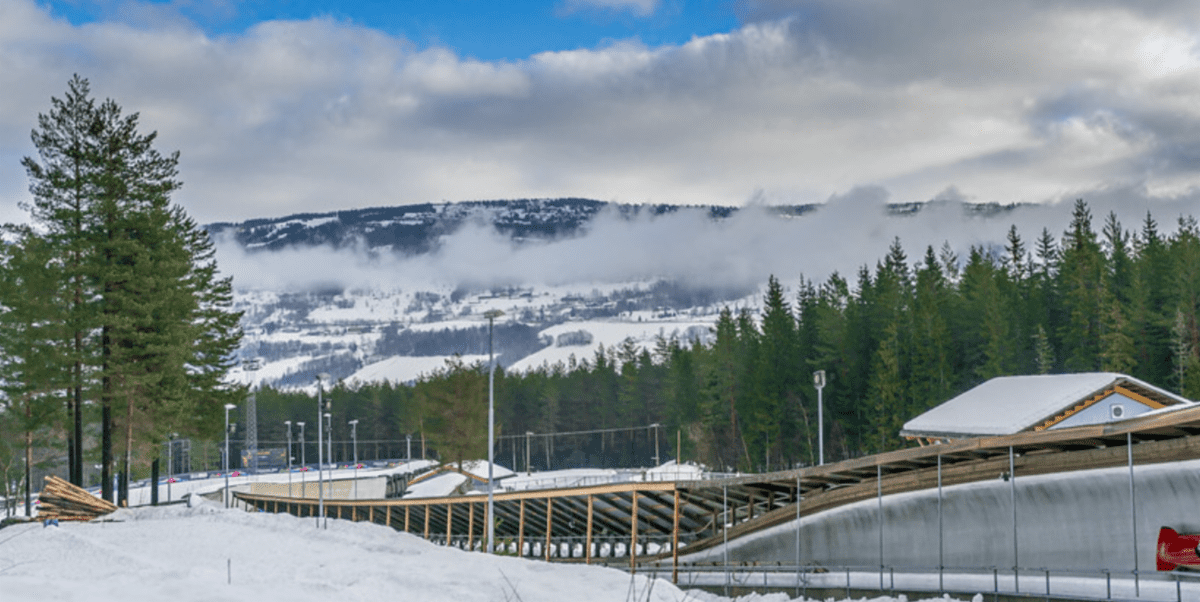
[(941, 547), (408, 449), (320, 457), (819, 383), (228, 406), (725, 533), (1137, 588), (879, 494), (528, 435), (1012, 489), (303, 464), (656, 459), (491, 531), (289, 458), (170, 465), (354, 443), (799, 499)]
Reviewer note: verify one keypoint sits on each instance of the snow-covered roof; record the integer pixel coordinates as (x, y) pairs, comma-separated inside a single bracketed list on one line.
[(1011, 404)]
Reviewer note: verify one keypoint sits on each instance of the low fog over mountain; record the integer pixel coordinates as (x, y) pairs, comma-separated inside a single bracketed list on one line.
[(390, 293)]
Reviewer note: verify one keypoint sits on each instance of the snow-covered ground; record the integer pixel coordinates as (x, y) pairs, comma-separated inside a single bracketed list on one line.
[(203, 552)]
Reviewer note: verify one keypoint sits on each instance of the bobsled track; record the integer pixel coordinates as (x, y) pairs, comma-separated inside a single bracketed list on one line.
[(1076, 511)]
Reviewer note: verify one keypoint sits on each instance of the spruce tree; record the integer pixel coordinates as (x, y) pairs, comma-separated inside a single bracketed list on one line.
[(150, 325)]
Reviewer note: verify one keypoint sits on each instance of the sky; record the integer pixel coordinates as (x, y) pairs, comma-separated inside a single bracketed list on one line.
[(282, 107)]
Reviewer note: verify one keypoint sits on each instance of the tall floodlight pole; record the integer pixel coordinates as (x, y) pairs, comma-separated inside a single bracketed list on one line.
[(354, 438), (491, 516), (289, 458), (303, 464), (320, 457), (228, 406), (655, 427), (170, 463), (819, 383), (329, 447)]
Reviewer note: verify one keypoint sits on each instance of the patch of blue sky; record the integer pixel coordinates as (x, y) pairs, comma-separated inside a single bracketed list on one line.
[(487, 30)]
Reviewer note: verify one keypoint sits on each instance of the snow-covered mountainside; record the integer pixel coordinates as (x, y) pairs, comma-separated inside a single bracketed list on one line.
[(391, 293), (397, 335)]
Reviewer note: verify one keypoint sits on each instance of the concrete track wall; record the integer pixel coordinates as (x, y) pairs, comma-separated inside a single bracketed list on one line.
[(1078, 520)]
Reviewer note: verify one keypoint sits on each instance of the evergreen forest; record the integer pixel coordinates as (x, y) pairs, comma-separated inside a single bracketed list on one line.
[(894, 340)]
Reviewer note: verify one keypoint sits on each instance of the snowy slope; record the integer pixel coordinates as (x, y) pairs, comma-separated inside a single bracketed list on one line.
[(205, 553)]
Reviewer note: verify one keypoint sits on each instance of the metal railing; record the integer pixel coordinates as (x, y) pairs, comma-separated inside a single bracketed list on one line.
[(1034, 583)]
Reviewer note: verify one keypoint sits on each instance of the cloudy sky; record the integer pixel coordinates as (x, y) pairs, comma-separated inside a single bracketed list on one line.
[(284, 106)]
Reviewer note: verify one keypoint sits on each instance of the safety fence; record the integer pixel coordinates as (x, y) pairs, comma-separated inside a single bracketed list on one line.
[(1036, 583)]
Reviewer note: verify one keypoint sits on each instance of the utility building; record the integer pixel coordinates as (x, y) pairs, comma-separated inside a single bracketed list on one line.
[(1012, 404)]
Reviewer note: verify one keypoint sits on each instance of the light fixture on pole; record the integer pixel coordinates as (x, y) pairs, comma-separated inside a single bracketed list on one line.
[(819, 383), (491, 316), (289, 458), (354, 438), (228, 406), (303, 464)]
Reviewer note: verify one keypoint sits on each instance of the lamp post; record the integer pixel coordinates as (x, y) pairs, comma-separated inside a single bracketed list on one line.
[(329, 447), (303, 464), (170, 463), (655, 426), (819, 383), (289, 458), (528, 436), (228, 406), (491, 517), (320, 459), (408, 442), (354, 438)]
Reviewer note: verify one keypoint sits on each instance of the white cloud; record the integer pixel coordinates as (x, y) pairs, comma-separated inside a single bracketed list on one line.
[(1007, 102)]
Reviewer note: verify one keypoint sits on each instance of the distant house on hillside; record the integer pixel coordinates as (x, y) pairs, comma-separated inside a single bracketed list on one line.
[(1014, 404)]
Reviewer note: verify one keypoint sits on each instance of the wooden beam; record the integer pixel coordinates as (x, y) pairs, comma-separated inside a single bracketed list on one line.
[(675, 544), (587, 547), (427, 522), (449, 522), (521, 532), (549, 525), (470, 526), (633, 528)]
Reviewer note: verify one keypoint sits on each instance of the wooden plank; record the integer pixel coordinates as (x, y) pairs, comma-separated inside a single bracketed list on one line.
[(549, 525), (449, 522), (470, 526), (521, 532), (675, 544), (587, 548), (633, 533), (426, 521)]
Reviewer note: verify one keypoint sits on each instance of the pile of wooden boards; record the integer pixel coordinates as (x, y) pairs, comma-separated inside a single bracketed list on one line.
[(63, 501)]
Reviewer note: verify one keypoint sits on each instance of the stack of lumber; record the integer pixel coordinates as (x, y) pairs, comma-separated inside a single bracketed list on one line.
[(63, 501)]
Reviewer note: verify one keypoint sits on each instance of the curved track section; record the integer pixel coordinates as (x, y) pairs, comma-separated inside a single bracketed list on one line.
[(1081, 520)]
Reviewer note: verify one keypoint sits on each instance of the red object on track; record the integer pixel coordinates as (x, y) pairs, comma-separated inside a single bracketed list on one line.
[(1175, 550)]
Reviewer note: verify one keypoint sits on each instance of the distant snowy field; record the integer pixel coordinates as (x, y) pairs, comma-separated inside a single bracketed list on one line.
[(202, 552)]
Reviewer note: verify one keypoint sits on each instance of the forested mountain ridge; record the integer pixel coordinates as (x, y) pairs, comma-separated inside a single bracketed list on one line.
[(895, 340), (414, 229)]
